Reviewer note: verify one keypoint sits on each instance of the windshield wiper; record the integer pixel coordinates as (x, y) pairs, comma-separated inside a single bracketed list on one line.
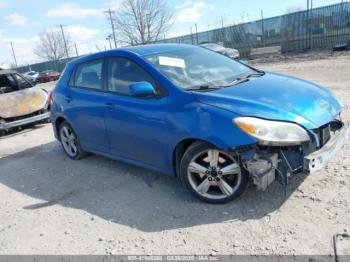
[(202, 88), (257, 74), (240, 80)]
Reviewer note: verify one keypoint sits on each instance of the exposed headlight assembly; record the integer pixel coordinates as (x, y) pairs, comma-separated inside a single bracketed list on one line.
[(272, 132)]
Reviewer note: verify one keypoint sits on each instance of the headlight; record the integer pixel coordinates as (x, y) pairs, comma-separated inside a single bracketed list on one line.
[(272, 132)]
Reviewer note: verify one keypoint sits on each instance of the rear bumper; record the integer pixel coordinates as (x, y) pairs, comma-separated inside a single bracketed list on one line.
[(25, 121), (319, 159)]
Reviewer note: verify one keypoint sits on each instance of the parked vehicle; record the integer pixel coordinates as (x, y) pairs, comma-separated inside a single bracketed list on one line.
[(32, 76), (219, 48), (21, 103), (49, 75), (192, 113)]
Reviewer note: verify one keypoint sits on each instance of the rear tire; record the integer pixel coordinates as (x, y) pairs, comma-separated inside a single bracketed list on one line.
[(212, 175), (70, 142)]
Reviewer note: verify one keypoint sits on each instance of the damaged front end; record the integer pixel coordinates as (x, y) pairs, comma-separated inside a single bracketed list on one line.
[(21, 103), (267, 163)]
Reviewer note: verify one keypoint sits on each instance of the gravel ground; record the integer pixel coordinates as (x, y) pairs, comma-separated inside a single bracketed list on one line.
[(52, 205)]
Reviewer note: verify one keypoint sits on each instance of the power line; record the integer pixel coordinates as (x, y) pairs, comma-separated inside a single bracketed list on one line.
[(14, 55), (64, 40), (110, 12)]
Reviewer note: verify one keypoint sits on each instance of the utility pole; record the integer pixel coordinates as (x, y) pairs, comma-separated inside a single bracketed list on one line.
[(222, 30), (110, 13), (109, 40), (76, 49), (208, 35), (196, 33), (262, 28), (309, 12), (191, 36), (14, 55), (64, 40)]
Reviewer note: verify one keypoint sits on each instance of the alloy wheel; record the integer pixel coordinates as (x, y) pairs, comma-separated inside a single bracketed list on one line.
[(214, 174), (69, 141)]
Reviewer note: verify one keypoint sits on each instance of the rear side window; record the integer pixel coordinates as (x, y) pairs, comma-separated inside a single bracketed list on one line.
[(89, 75)]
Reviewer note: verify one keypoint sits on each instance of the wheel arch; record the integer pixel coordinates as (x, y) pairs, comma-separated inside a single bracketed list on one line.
[(58, 121), (180, 150)]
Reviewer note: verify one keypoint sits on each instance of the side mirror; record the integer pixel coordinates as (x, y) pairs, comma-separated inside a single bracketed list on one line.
[(142, 89)]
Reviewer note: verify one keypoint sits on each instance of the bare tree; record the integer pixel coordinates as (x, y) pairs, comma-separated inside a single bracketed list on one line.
[(143, 21), (51, 45)]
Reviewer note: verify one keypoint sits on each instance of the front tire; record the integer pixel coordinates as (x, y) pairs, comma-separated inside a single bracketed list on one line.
[(212, 175), (70, 142)]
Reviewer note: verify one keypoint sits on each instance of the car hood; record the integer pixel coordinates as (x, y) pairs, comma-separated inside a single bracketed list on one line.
[(22, 102), (277, 97)]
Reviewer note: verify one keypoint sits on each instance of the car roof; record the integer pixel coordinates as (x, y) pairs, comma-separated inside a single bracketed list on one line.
[(141, 50)]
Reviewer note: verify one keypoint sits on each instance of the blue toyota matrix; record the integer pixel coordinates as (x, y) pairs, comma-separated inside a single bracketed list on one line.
[(186, 111)]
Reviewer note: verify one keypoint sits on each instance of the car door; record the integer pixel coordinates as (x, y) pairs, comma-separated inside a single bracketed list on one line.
[(135, 125), (86, 102)]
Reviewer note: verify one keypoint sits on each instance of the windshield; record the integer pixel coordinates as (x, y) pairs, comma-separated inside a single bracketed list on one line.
[(22, 82), (193, 67)]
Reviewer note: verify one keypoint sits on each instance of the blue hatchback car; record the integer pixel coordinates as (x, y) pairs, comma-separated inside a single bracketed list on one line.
[(195, 114)]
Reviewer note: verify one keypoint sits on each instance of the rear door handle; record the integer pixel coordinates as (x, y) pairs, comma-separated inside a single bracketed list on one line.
[(110, 106)]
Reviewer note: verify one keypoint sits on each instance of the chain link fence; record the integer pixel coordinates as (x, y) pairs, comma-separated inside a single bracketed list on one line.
[(50, 65), (319, 28)]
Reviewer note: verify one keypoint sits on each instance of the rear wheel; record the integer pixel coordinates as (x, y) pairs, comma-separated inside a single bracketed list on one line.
[(213, 175), (70, 142)]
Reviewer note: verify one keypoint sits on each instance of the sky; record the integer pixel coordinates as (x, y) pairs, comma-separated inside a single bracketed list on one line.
[(21, 21)]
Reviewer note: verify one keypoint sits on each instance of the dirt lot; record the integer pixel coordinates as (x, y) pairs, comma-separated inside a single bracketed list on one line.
[(52, 205)]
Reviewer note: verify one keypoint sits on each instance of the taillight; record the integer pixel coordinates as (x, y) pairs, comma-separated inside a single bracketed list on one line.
[(49, 98)]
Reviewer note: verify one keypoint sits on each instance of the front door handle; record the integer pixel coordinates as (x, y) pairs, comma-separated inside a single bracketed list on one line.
[(110, 106)]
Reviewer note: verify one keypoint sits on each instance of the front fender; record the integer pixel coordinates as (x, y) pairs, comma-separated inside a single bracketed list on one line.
[(208, 123)]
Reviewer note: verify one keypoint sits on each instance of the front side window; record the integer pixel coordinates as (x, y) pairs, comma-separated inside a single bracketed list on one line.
[(193, 67), (89, 75), (123, 72)]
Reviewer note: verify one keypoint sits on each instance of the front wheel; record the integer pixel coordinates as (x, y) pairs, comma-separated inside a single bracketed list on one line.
[(70, 142), (212, 175)]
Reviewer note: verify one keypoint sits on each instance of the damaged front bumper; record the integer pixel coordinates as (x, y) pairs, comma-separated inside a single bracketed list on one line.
[(8, 125), (320, 158), (265, 164)]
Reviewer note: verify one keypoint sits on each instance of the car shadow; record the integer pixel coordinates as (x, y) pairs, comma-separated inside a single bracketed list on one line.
[(125, 194), (21, 130)]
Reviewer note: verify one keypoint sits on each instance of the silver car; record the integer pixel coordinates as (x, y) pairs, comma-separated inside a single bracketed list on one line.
[(219, 48)]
